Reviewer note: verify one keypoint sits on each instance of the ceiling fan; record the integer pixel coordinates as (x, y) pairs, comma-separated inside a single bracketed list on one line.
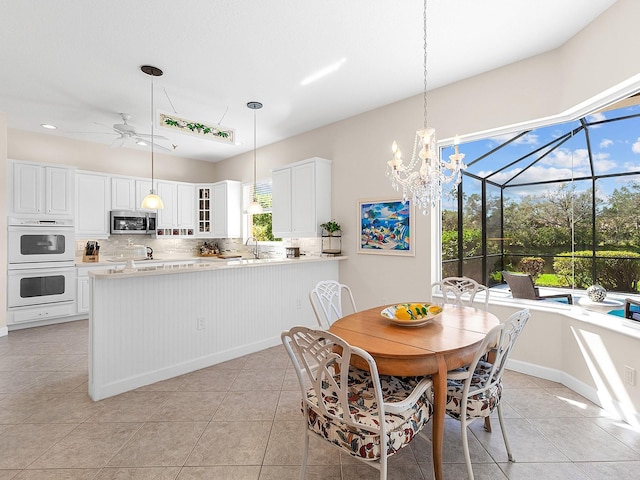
[(128, 132)]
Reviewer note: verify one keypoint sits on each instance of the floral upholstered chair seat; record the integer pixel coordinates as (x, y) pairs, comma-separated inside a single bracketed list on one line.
[(479, 404), (360, 412), (401, 425)]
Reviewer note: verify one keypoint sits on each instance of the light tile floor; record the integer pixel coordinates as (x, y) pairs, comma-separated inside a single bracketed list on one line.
[(241, 420)]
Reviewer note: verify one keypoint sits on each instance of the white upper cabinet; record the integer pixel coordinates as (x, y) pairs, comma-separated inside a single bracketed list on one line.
[(142, 190), (168, 192), (40, 190), (93, 205), (301, 198), (203, 210), (226, 209), (186, 208), (281, 201), (179, 206), (123, 193)]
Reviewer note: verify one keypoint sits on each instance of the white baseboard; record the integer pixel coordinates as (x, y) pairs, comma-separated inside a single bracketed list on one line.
[(4, 331), (615, 409)]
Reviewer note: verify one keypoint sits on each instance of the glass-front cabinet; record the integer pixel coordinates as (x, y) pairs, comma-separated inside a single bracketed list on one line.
[(203, 199)]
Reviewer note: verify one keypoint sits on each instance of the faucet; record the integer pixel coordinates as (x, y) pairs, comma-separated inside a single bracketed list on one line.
[(256, 252)]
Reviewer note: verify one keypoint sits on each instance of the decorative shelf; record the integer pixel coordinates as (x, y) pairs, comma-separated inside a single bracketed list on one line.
[(331, 242)]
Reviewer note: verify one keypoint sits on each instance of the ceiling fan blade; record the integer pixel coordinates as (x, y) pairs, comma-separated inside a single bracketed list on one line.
[(146, 135), (109, 127), (155, 145), (144, 141), (94, 133), (118, 142)]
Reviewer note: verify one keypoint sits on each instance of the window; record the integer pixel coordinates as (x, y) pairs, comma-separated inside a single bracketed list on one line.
[(258, 226), (563, 198)]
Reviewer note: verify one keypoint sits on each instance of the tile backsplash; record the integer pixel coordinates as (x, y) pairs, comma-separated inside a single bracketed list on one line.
[(113, 247)]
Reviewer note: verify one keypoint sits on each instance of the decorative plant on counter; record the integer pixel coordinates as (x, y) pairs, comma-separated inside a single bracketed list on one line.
[(331, 226)]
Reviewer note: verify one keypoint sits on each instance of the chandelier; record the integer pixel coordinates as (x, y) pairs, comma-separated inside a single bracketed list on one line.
[(424, 185)]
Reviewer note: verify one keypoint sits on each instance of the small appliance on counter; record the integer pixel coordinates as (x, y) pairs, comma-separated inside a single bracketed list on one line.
[(292, 252), (132, 252), (209, 250), (91, 252)]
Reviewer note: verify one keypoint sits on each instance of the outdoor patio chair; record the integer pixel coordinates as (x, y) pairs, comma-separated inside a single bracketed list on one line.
[(632, 309), (461, 291), (364, 414), (522, 286)]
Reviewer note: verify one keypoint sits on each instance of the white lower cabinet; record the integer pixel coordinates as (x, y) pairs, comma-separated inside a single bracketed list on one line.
[(52, 311), (83, 293)]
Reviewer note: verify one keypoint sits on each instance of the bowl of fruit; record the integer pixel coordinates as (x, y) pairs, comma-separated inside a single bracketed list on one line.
[(411, 314)]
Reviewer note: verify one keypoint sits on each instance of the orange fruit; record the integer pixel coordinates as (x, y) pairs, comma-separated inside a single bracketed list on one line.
[(402, 314)]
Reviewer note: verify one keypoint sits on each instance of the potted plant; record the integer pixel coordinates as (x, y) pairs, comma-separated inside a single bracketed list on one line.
[(331, 226)]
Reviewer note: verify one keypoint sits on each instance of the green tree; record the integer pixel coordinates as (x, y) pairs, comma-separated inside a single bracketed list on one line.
[(619, 223)]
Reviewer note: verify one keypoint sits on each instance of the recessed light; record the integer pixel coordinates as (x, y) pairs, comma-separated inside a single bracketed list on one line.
[(48, 126), (140, 142)]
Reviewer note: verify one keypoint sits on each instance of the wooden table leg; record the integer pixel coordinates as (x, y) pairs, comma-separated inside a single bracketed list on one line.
[(439, 403)]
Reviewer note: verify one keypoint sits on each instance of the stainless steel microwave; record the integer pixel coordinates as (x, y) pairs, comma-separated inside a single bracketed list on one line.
[(132, 223)]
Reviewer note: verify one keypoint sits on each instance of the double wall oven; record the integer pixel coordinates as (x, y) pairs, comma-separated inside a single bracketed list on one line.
[(41, 268)]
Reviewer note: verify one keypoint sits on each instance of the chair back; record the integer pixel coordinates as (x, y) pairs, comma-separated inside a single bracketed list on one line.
[(521, 285), (327, 300), (500, 340), (322, 360), (461, 291)]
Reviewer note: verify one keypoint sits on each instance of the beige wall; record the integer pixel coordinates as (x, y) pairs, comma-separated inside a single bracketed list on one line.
[(3, 224), (537, 88), (41, 147)]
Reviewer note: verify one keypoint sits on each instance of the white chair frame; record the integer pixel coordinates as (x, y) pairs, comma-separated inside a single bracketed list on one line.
[(453, 290), (320, 359), (500, 340), (326, 300)]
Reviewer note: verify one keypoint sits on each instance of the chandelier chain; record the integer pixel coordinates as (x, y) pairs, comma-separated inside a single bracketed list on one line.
[(424, 19), (422, 179)]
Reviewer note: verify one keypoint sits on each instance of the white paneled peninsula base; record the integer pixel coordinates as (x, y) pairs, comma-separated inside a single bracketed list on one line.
[(158, 323)]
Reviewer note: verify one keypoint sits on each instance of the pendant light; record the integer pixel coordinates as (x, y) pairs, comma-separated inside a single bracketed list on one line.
[(254, 207), (152, 201)]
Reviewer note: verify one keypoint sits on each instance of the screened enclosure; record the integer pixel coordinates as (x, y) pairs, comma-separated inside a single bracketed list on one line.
[(561, 202)]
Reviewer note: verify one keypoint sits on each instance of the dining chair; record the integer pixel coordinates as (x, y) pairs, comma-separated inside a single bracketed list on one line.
[(327, 300), (476, 391), (344, 405), (522, 286), (453, 290)]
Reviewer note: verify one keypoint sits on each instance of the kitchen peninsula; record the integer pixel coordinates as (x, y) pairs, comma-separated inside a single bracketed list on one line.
[(160, 322)]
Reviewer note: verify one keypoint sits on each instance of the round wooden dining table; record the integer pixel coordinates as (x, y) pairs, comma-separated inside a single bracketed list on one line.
[(447, 342)]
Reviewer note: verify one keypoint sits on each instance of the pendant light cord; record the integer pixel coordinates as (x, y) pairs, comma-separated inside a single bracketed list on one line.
[(255, 146), (152, 133)]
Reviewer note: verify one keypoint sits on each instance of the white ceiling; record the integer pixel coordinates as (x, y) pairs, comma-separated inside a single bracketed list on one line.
[(76, 63)]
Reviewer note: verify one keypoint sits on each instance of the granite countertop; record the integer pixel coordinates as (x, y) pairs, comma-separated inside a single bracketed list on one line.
[(144, 268)]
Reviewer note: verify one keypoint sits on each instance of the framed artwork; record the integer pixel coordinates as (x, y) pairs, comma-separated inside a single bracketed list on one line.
[(386, 227)]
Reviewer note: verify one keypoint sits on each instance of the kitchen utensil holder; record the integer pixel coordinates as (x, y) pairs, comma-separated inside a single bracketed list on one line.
[(90, 258)]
